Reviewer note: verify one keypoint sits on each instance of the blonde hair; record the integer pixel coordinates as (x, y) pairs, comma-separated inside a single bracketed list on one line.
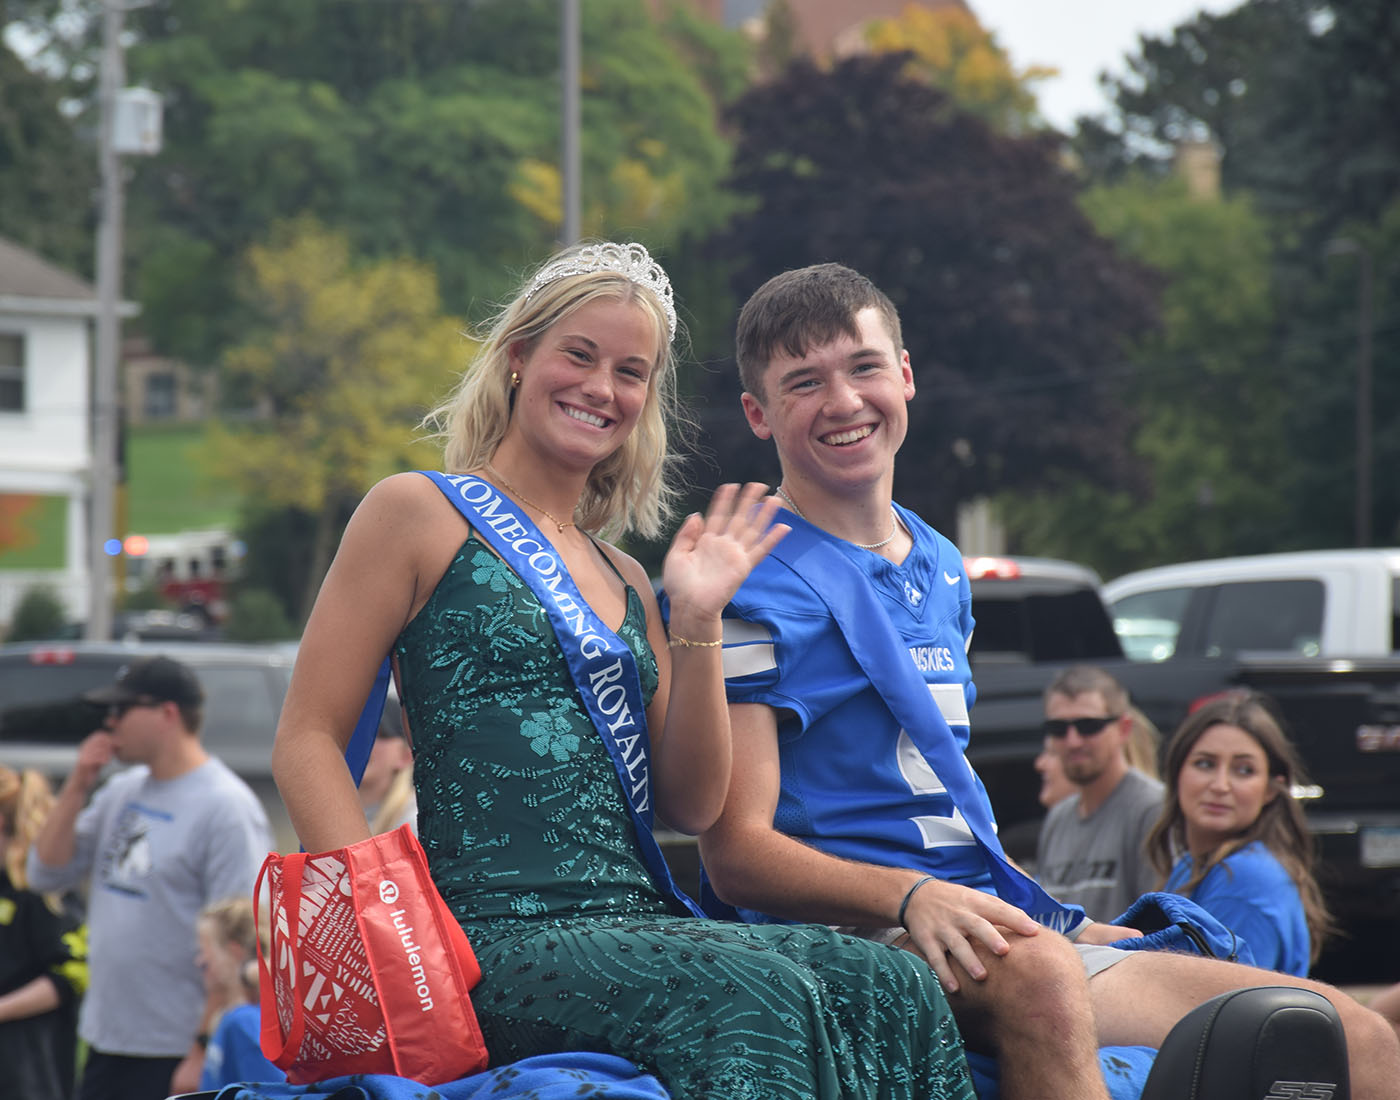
[(633, 488), (25, 802), (1144, 744), (233, 920)]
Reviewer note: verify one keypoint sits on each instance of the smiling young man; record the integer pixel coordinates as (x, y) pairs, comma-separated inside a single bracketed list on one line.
[(851, 800), (158, 841)]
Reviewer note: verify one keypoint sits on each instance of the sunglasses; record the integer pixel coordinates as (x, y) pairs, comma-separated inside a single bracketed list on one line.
[(1059, 728), (117, 711)]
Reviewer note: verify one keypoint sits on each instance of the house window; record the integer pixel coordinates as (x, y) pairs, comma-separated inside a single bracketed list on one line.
[(11, 372), (160, 395)]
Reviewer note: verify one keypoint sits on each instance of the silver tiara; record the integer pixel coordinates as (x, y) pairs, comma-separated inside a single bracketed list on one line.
[(632, 261)]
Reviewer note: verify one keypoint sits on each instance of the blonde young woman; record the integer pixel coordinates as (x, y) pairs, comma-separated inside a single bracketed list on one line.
[(534, 784), (1233, 838), (43, 956)]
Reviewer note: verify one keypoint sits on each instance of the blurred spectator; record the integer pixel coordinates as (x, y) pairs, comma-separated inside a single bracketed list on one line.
[(1091, 845), (1233, 836), (386, 788), (158, 841), (43, 958), (228, 955), (1144, 743), (1054, 784)]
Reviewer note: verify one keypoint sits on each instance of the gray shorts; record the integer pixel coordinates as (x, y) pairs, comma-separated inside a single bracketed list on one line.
[(1096, 957)]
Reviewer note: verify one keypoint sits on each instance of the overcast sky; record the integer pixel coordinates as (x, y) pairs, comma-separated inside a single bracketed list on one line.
[(1080, 38)]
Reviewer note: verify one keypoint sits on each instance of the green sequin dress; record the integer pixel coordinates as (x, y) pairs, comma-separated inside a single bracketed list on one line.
[(530, 842)]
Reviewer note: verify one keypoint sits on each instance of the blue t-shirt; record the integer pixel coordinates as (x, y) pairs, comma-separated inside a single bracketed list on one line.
[(1252, 893), (234, 1053), (853, 783)]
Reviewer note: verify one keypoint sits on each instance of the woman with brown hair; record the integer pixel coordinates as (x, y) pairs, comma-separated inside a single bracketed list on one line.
[(1232, 836)]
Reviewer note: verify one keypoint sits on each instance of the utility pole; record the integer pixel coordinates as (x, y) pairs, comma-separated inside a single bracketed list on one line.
[(104, 399), (569, 120), (129, 122)]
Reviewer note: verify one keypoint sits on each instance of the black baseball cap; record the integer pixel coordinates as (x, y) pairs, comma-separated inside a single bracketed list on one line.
[(150, 679)]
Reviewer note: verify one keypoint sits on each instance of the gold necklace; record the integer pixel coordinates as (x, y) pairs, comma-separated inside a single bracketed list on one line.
[(526, 500), (894, 524)]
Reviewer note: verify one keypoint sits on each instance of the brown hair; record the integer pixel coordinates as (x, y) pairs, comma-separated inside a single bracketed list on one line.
[(1280, 824), (802, 309), (1082, 679)]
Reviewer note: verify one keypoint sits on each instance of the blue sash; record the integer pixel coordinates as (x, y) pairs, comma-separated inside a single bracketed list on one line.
[(367, 726), (603, 668), (883, 656)]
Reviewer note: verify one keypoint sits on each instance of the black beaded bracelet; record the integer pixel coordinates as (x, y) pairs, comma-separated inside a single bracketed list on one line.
[(904, 905)]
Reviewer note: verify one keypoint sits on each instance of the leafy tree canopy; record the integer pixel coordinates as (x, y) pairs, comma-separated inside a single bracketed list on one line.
[(1301, 95), (48, 175), (951, 49), (1210, 437), (429, 129), (344, 362), (1016, 312)]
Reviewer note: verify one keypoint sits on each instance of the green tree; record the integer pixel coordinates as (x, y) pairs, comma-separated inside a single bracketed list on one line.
[(951, 49), (1016, 312), (1209, 437), (48, 174), (1301, 96), (39, 614), (256, 615), (344, 362), (428, 129)]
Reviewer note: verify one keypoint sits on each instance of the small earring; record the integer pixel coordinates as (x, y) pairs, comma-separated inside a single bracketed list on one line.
[(514, 379)]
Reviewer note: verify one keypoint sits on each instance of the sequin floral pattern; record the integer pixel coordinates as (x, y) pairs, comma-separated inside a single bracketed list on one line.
[(528, 836)]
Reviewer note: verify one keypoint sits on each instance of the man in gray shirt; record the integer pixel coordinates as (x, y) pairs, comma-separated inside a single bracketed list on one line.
[(1091, 845), (158, 842)]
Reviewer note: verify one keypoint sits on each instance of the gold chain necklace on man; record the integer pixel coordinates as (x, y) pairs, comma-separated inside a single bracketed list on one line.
[(526, 500), (894, 524)]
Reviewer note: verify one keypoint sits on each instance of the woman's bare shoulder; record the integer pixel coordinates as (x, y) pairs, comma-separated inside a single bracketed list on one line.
[(630, 568), (397, 501)]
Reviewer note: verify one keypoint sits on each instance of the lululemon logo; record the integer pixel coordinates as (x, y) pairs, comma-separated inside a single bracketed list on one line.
[(388, 891)]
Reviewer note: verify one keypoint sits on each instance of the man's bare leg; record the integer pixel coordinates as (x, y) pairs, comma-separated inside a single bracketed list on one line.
[(1034, 1014), (1137, 1001), (1387, 1003)]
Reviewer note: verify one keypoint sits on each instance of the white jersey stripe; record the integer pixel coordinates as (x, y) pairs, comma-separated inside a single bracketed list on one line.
[(748, 649)]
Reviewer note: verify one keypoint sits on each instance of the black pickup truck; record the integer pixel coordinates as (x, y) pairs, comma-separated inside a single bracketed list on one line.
[(1036, 616)]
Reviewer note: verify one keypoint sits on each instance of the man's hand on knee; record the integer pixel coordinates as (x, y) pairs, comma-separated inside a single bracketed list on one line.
[(944, 920)]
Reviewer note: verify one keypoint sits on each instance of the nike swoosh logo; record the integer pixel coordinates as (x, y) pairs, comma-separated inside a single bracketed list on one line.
[(949, 578)]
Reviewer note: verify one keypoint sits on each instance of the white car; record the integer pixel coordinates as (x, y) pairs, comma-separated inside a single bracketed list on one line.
[(1314, 603)]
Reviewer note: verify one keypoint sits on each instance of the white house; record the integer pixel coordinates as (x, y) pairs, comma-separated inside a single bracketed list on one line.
[(47, 320)]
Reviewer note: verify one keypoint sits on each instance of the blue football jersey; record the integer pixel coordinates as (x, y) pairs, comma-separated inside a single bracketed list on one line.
[(853, 782)]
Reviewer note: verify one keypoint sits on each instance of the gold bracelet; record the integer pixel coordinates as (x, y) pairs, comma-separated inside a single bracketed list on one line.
[(675, 641)]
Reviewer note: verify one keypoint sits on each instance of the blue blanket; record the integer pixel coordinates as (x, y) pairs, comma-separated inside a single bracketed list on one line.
[(545, 1077)]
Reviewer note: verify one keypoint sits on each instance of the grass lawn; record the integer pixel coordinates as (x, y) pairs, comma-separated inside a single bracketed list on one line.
[(169, 486)]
